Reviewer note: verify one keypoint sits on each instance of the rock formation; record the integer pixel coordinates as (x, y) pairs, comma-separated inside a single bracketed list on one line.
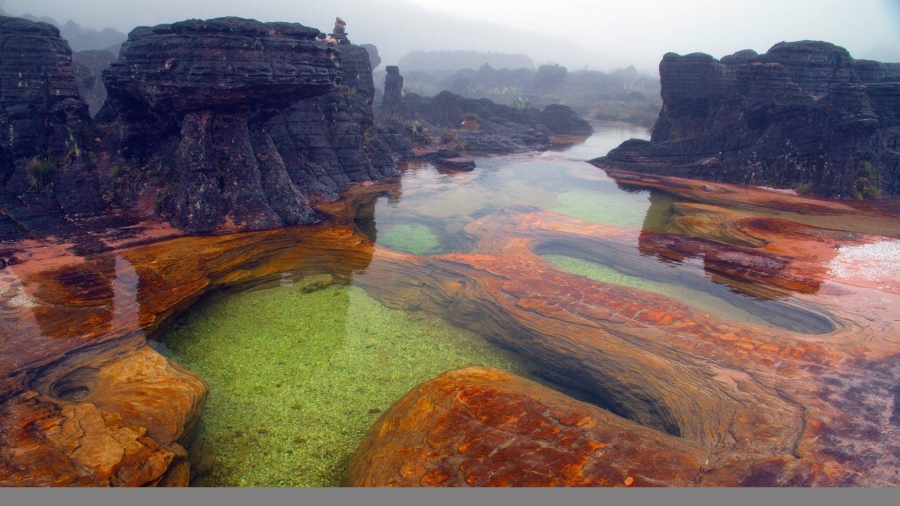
[(501, 128), (192, 99), (562, 120), (340, 32), (374, 59), (392, 102), (803, 115), (476, 124), (331, 141), (482, 427), (45, 170)]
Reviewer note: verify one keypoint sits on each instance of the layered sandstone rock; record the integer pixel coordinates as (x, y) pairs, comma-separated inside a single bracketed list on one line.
[(192, 99), (331, 141), (804, 114), (45, 170)]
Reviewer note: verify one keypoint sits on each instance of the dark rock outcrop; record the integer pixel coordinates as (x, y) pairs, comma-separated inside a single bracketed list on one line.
[(562, 120), (549, 78), (474, 124), (496, 128), (450, 159), (191, 100), (45, 170), (331, 141), (374, 59), (392, 103), (804, 114), (89, 65)]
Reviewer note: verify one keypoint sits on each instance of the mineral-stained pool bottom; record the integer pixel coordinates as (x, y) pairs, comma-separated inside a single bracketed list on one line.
[(296, 379)]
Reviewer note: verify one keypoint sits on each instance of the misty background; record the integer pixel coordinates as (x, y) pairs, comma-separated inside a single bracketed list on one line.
[(579, 34)]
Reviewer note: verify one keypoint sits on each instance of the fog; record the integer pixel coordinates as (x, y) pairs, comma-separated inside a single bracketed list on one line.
[(576, 33)]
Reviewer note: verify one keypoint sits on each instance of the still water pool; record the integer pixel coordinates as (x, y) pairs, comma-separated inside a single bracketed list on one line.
[(299, 372)]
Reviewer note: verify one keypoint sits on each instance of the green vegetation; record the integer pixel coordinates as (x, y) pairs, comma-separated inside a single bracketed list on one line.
[(521, 103), (866, 185), (296, 379), (415, 132), (420, 88), (40, 171), (449, 138), (617, 209), (410, 238), (700, 300)]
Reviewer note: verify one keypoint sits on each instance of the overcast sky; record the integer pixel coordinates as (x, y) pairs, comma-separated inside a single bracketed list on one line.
[(577, 33)]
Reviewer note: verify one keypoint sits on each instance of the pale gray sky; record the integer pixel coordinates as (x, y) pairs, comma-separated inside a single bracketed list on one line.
[(577, 33)]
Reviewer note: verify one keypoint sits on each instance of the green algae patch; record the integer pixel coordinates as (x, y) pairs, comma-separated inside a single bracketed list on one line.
[(617, 209), (296, 379), (698, 299), (412, 238)]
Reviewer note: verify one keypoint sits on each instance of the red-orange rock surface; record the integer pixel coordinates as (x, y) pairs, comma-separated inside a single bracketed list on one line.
[(85, 402), (484, 427)]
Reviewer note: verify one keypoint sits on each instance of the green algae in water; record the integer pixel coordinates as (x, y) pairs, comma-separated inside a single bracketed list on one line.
[(700, 300), (620, 209), (410, 238), (297, 379)]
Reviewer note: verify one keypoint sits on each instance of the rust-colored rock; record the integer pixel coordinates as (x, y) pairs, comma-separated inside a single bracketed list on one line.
[(809, 404), (484, 427)]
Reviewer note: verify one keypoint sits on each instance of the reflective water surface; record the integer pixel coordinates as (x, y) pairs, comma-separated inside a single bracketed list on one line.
[(298, 372)]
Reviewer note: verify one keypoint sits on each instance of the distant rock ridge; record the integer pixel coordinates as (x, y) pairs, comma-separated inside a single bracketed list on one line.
[(803, 115), (478, 125), (89, 65)]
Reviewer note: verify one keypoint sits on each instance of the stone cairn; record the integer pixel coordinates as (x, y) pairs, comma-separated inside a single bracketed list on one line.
[(340, 32)]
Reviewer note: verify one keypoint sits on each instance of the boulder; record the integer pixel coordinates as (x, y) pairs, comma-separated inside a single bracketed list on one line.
[(562, 120)]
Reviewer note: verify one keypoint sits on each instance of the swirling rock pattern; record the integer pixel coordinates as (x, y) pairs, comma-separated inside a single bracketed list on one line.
[(688, 398)]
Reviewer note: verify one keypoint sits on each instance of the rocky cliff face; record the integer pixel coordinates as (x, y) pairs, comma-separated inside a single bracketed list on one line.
[(330, 141), (192, 99), (45, 170), (804, 114)]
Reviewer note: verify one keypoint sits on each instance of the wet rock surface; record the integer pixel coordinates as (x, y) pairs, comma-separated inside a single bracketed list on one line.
[(484, 427), (804, 114), (680, 387)]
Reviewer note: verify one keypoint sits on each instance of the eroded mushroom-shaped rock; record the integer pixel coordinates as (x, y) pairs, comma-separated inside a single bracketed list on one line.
[(192, 98)]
